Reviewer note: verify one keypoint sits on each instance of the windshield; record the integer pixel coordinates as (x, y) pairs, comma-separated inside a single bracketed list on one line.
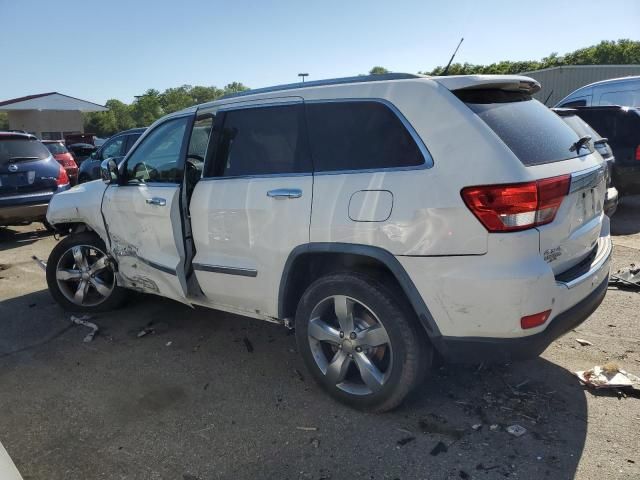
[(56, 148), (534, 133), (19, 149)]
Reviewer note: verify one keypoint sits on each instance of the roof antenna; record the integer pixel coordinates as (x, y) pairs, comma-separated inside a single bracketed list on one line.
[(446, 69), (548, 97)]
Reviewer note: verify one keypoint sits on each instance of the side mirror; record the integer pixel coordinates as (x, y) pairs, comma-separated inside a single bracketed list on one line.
[(109, 171)]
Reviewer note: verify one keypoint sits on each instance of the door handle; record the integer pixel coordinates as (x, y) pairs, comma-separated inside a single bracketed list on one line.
[(161, 202), (285, 193)]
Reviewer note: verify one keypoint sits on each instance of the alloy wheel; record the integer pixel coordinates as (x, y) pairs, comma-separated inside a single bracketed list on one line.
[(85, 276), (350, 345)]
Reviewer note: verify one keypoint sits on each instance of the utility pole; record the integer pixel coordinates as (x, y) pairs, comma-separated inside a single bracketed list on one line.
[(302, 75)]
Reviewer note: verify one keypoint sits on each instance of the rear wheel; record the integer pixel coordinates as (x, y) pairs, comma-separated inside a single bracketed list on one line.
[(359, 343), (80, 275)]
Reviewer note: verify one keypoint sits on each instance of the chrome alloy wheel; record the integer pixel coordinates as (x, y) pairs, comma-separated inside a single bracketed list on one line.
[(350, 345), (84, 275)]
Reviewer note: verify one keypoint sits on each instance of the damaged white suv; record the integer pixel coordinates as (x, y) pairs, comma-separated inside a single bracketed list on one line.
[(388, 218)]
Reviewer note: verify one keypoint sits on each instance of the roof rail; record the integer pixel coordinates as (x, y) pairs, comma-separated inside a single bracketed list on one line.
[(329, 81)]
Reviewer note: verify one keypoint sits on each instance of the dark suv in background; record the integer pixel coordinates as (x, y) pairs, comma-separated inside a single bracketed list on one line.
[(29, 177), (115, 147), (621, 127)]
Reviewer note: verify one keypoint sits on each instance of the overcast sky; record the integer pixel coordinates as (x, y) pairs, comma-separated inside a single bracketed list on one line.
[(117, 49)]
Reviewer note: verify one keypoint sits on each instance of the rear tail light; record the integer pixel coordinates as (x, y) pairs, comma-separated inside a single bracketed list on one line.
[(638, 153), (63, 178), (519, 206), (531, 321)]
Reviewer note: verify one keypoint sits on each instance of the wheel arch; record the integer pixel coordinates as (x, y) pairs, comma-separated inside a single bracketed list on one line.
[(308, 262)]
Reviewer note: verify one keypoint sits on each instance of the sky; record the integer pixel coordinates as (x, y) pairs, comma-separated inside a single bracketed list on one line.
[(118, 49)]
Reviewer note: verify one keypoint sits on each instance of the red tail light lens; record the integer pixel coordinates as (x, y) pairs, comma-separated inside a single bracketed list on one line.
[(63, 178), (509, 208), (638, 153), (531, 321)]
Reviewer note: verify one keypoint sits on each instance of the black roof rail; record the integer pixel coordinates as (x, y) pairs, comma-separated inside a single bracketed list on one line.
[(330, 81)]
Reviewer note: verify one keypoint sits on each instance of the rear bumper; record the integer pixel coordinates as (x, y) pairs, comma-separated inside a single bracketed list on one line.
[(481, 349), (18, 214)]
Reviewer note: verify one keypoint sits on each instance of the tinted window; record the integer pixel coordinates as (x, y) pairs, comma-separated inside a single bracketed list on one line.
[(19, 149), (359, 135), (156, 158), (575, 103), (131, 140), (261, 141), (534, 133), (629, 98), (56, 148), (621, 127), (113, 148)]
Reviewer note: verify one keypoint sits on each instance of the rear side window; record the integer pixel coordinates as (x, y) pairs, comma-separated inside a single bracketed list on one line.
[(629, 98), (533, 132), (358, 135), (20, 149), (56, 148), (262, 141)]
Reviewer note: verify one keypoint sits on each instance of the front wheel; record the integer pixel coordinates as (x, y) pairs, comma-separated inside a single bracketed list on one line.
[(80, 275), (359, 343)]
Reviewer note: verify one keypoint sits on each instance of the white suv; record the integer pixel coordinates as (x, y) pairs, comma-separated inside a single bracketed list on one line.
[(387, 217)]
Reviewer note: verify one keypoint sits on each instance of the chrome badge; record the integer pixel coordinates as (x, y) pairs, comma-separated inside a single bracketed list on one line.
[(13, 167)]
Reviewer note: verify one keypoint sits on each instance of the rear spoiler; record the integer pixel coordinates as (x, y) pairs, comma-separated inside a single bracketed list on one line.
[(512, 83)]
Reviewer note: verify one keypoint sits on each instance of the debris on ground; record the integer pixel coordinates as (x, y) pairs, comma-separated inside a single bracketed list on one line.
[(248, 344), (607, 376), (307, 429), (464, 475), (438, 449), (145, 331), (83, 321), (516, 430), (298, 374), (494, 427), (403, 441), (315, 443), (168, 344), (39, 262), (628, 277), (477, 426), (583, 342)]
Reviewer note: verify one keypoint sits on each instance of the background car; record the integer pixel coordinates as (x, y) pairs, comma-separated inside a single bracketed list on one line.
[(615, 91), (29, 177), (115, 147), (599, 144), (621, 127), (64, 158), (81, 151)]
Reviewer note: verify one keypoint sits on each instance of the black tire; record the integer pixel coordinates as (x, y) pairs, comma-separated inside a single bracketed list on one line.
[(410, 351), (85, 239), (83, 178)]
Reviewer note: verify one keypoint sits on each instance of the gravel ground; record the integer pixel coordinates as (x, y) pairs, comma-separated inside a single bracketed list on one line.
[(191, 401)]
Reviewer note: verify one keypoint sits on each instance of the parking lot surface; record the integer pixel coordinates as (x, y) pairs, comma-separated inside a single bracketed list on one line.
[(208, 395)]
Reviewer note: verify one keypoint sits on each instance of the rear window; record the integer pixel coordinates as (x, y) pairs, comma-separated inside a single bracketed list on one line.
[(19, 149), (534, 133), (56, 148)]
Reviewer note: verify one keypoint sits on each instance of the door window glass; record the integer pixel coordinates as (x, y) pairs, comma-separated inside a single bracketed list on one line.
[(156, 158), (356, 135), (113, 148), (628, 98), (263, 141), (131, 139)]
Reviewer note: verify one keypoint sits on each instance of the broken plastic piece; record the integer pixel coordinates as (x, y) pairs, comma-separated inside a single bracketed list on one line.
[(40, 263), (516, 430), (83, 321), (583, 342), (607, 376), (628, 277)]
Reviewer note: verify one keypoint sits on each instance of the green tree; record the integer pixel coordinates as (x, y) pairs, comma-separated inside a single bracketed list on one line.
[(4, 121), (174, 99), (147, 108), (378, 71), (234, 87), (607, 52)]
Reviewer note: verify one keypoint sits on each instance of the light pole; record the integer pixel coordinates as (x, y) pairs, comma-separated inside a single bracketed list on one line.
[(302, 75)]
